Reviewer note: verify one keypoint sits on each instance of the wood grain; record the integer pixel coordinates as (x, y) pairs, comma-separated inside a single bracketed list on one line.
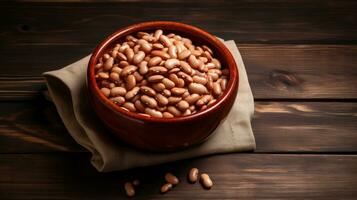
[(305, 126), (301, 61), (34, 127), (301, 71), (238, 176), (274, 71), (38, 37), (244, 21)]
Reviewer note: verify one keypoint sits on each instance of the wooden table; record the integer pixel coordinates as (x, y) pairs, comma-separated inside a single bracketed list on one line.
[(301, 59)]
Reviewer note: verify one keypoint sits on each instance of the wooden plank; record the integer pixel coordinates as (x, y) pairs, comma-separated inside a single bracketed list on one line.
[(21, 87), (301, 71), (274, 71), (238, 176), (305, 126), (244, 21), (33, 127), (28, 127)]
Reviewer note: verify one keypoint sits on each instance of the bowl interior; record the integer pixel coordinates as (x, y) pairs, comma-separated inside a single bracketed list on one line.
[(198, 37)]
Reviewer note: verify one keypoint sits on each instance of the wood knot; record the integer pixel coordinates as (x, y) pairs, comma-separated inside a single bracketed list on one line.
[(24, 28), (284, 78)]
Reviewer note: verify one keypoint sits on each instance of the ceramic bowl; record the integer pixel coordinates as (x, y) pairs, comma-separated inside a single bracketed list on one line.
[(163, 134)]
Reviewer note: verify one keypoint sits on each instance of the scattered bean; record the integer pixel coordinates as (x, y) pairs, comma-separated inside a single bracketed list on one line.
[(129, 189), (166, 187), (193, 175), (206, 181), (170, 178)]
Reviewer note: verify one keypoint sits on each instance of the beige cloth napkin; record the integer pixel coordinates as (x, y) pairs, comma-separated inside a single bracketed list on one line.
[(67, 88)]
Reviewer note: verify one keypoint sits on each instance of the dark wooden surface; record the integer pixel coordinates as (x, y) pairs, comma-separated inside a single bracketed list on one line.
[(238, 176), (302, 65)]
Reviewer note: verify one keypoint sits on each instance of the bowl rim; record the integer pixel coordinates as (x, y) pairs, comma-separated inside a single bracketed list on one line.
[(232, 84)]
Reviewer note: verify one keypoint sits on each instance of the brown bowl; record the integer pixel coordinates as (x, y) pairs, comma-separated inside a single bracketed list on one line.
[(163, 134)]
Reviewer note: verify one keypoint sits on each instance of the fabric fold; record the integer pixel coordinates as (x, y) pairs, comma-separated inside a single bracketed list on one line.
[(67, 88)]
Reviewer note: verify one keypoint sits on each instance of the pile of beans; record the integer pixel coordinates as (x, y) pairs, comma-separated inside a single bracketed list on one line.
[(160, 75), (171, 181)]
